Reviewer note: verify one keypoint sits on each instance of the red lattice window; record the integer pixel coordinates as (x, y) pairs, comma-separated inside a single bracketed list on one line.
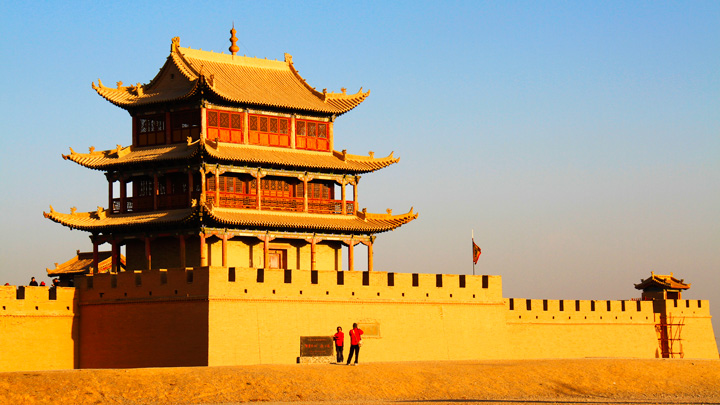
[(269, 131), (151, 130), (312, 135), (185, 124), (277, 188), (320, 191), (225, 126), (144, 187)]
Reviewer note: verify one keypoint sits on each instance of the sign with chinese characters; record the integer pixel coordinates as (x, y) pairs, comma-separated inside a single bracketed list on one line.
[(316, 346)]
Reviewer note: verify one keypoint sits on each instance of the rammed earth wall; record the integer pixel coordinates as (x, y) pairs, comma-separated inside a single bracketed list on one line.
[(38, 328), (233, 316)]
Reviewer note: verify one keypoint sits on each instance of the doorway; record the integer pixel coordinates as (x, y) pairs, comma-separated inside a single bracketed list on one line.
[(277, 259)]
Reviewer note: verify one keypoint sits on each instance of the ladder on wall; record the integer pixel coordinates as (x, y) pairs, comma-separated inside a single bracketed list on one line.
[(669, 332)]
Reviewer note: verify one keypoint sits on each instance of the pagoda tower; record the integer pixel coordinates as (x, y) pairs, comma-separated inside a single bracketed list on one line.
[(232, 163)]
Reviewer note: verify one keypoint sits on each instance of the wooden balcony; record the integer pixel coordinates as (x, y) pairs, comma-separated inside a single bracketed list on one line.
[(146, 203), (291, 204), (235, 200)]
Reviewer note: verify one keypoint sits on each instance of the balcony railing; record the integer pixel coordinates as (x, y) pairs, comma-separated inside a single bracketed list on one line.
[(235, 200), (145, 203), (329, 206)]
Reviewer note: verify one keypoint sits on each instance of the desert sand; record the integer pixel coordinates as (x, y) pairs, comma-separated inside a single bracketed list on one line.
[(511, 381)]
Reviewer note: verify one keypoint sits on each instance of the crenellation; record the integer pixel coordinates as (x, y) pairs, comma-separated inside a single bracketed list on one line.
[(25, 300), (688, 308), (147, 284), (577, 311), (353, 285)]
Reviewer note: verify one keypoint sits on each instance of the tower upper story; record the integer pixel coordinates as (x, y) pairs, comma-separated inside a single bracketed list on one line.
[(248, 101), (213, 132)]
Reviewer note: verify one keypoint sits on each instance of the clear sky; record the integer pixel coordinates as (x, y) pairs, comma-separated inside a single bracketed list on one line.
[(580, 140)]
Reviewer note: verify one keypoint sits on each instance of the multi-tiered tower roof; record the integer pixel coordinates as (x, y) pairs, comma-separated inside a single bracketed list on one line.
[(232, 163)]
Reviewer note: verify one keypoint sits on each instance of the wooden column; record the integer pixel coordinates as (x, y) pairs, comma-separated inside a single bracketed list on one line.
[(110, 195), (351, 256), (266, 253), (148, 255), (351, 252), (313, 243), (370, 256), (344, 205), (224, 250), (203, 123), (123, 195), (114, 255), (155, 191), (203, 250), (258, 188), (217, 187), (182, 251), (355, 196), (292, 132), (258, 192), (190, 187), (96, 256), (305, 194), (134, 131), (203, 186), (246, 128), (266, 238), (168, 129), (369, 245)]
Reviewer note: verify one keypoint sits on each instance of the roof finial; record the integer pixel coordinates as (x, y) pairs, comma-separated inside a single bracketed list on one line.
[(233, 39)]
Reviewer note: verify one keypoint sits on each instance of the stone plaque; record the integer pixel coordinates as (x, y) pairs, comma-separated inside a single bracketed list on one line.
[(316, 346)]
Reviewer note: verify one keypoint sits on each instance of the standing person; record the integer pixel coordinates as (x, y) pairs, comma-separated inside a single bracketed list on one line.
[(339, 339), (33, 282), (355, 340)]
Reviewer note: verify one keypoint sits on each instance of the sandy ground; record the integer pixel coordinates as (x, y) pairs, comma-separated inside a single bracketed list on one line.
[(506, 382)]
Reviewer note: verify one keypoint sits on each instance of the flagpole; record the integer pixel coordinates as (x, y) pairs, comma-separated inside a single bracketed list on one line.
[(472, 236)]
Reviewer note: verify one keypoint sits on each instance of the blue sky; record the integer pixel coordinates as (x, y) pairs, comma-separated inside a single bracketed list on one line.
[(580, 140)]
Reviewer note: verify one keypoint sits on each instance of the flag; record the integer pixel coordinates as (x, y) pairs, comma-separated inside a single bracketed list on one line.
[(476, 252)]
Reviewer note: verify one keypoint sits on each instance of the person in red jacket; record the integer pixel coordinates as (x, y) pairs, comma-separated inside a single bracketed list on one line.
[(339, 339), (355, 339)]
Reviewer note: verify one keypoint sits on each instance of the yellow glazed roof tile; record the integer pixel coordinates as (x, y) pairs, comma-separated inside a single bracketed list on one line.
[(121, 156), (233, 153), (370, 223), (102, 220), (82, 262), (244, 218), (335, 161), (663, 281), (236, 79)]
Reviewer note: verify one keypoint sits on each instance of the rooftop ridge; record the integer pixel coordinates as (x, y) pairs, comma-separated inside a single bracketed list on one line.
[(233, 59)]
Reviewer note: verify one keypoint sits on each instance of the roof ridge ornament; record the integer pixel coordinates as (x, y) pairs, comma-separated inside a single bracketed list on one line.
[(175, 43), (233, 41)]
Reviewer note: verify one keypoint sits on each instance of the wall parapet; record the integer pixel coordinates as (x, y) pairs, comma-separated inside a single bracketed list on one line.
[(252, 283), (38, 301), (143, 285), (352, 285), (578, 311)]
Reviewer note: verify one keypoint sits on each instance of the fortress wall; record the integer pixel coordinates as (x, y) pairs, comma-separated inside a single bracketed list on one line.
[(255, 322), (696, 334), (233, 316), (540, 329), (39, 328), (144, 319)]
